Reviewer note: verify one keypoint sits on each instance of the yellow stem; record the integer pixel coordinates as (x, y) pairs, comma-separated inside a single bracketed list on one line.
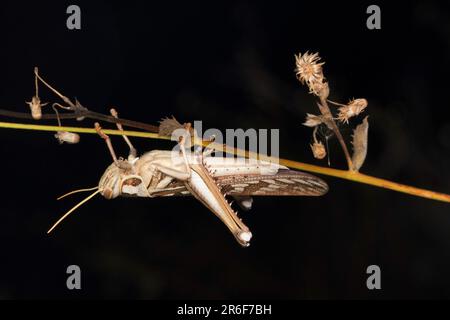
[(37, 127), (343, 174), (366, 179)]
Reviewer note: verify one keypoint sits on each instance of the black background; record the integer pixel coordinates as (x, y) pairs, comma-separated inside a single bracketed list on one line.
[(230, 64)]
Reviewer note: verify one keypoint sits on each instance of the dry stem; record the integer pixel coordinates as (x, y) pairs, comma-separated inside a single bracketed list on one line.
[(325, 110)]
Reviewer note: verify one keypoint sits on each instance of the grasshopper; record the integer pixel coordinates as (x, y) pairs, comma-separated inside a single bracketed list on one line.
[(164, 173)]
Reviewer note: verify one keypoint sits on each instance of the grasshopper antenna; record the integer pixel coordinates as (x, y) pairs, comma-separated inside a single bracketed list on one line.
[(75, 191), (72, 210)]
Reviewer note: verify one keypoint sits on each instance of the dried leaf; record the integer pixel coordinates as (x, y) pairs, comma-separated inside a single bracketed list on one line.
[(312, 120), (360, 139)]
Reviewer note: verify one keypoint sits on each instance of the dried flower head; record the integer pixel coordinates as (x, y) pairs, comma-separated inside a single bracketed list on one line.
[(309, 70), (318, 150), (353, 108), (307, 67), (168, 125)]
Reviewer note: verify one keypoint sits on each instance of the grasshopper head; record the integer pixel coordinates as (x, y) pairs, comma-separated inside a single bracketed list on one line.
[(117, 181)]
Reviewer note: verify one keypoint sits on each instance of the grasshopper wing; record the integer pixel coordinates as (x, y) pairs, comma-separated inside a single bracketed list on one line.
[(283, 183)]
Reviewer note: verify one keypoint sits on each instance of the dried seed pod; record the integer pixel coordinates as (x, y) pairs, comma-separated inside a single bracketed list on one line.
[(68, 137), (36, 107), (318, 150), (352, 109)]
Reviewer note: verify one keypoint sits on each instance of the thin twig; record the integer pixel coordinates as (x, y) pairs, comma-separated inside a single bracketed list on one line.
[(325, 110), (87, 114), (63, 97)]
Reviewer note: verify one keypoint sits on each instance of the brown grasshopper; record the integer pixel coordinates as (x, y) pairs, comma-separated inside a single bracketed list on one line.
[(163, 173)]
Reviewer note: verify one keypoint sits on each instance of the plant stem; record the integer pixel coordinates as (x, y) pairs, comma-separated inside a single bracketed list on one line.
[(325, 110), (63, 97), (366, 179), (343, 174)]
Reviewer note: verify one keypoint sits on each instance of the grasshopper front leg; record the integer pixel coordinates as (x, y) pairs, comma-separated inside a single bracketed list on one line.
[(119, 162)]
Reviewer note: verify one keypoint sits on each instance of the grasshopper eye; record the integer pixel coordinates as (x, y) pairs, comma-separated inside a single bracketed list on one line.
[(109, 184), (111, 189), (107, 193)]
